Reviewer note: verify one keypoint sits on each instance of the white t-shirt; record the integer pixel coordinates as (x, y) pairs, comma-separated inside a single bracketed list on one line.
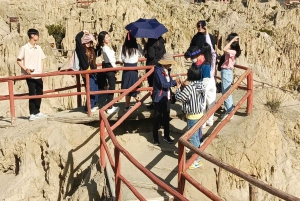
[(32, 57), (133, 58), (109, 56)]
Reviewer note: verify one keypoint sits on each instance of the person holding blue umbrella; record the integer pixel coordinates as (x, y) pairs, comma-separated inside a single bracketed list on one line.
[(129, 55), (155, 46), (154, 51)]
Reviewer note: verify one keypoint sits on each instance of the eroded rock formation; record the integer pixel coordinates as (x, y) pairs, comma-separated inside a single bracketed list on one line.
[(37, 166)]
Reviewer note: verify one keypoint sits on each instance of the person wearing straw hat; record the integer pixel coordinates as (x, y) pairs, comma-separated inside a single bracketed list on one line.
[(162, 83)]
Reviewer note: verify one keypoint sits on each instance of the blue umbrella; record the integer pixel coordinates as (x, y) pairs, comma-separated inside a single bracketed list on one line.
[(146, 28)]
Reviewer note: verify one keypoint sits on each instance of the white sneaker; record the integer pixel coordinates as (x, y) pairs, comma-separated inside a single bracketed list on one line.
[(112, 110), (31, 117), (125, 110), (209, 123), (187, 150), (204, 125), (40, 115), (224, 117), (94, 109)]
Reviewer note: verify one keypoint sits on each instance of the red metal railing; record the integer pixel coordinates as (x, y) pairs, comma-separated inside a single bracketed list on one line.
[(183, 141), (106, 129), (12, 97), (84, 3), (104, 124)]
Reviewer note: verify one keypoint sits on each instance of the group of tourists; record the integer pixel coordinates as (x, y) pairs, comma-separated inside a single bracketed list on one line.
[(197, 93)]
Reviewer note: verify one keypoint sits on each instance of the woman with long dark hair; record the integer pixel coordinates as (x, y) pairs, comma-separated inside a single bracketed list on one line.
[(87, 60), (154, 51), (129, 55), (232, 51), (109, 62)]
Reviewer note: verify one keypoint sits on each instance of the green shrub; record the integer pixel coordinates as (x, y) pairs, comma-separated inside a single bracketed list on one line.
[(58, 32), (274, 100)]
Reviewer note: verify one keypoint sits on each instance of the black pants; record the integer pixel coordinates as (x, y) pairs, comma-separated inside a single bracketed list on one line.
[(107, 78), (35, 87), (162, 115)]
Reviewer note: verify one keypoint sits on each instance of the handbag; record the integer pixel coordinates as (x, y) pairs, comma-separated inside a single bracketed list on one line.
[(74, 62)]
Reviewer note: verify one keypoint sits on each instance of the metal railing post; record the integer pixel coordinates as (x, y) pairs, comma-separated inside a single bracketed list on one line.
[(118, 174), (87, 93), (250, 97), (11, 101), (78, 85), (102, 137), (181, 169)]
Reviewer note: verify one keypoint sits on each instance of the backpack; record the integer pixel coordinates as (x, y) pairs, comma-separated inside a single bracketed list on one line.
[(221, 61)]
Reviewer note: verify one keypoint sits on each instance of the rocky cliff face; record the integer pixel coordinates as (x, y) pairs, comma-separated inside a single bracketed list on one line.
[(269, 33), (270, 42), (269, 38)]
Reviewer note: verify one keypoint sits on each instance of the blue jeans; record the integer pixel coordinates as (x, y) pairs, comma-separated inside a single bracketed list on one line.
[(197, 136), (195, 139), (93, 87), (227, 77)]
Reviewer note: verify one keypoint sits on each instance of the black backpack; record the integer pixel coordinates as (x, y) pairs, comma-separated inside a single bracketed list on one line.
[(221, 61)]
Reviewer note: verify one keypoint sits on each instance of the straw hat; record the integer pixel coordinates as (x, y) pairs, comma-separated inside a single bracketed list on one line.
[(167, 59)]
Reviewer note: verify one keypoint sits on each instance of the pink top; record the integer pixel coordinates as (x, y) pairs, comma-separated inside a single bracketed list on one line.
[(230, 59)]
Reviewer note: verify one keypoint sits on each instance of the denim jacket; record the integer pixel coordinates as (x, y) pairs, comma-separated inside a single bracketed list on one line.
[(160, 84)]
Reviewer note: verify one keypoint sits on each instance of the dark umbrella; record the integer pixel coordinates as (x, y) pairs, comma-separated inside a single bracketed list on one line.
[(146, 28)]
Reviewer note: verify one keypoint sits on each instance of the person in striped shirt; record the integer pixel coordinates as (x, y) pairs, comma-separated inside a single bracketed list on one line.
[(191, 94)]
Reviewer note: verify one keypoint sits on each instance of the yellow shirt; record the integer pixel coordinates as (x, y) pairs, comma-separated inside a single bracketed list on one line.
[(194, 116)]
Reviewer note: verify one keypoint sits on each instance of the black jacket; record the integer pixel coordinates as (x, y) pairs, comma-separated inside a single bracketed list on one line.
[(199, 39), (155, 50), (81, 53)]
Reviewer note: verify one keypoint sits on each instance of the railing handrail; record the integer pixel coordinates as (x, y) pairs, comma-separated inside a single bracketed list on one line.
[(147, 172), (239, 173), (73, 72), (119, 148), (182, 141), (206, 116)]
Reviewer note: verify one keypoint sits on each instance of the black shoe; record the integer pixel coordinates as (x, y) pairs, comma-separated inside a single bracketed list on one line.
[(168, 140), (156, 143)]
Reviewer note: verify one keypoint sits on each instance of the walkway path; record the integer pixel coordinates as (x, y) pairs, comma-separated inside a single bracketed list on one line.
[(136, 137)]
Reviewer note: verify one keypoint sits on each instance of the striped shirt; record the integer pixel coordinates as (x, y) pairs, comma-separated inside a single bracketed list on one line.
[(191, 97)]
